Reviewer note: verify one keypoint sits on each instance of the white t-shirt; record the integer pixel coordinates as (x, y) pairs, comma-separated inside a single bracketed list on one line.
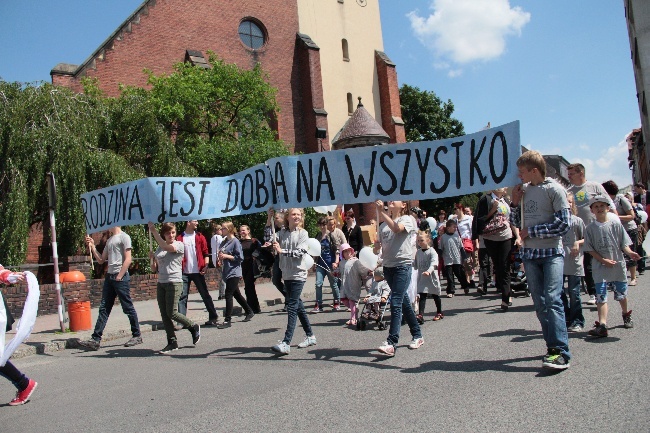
[(191, 263), (214, 244), (465, 226)]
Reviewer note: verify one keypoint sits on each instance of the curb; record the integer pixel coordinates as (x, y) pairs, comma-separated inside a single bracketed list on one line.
[(28, 349)]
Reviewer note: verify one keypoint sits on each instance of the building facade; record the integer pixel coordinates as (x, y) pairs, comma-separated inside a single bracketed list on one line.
[(637, 15)]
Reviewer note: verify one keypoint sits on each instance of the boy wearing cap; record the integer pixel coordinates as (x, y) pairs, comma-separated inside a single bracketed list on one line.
[(606, 241)]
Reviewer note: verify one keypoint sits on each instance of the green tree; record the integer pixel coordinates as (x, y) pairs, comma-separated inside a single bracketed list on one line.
[(218, 117), (426, 117)]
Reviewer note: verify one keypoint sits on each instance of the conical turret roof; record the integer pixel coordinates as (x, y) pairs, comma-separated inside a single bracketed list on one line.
[(360, 130)]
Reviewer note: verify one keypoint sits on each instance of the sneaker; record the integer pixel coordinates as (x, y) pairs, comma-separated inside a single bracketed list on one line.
[(89, 344), (555, 360), (627, 320), (309, 341), (576, 327), (196, 333), (632, 282), (420, 319), (281, 348), (213, 322), (248, 317), (592, 300), (336, 307), (225, 325), (22, 397), (387, 349), (416, 343), (316, 309), (599, 330), (134, 341), (438, 316), (170, 347)]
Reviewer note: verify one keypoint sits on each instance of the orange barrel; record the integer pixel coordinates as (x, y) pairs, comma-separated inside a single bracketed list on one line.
[(79, 314)]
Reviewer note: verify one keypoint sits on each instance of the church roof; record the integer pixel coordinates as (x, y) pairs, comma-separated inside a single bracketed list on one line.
[(361, 129)]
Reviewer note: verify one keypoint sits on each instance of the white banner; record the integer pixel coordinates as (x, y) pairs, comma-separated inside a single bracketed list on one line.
[(26, 322), (412, 171)]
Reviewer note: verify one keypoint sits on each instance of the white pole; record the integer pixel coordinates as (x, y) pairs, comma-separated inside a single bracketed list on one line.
[(55, 259)]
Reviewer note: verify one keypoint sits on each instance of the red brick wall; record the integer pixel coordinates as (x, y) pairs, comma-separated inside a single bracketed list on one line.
[(389, 97), (172, 26)]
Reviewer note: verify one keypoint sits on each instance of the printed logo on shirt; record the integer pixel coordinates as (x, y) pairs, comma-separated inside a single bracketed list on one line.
[(581, 198)]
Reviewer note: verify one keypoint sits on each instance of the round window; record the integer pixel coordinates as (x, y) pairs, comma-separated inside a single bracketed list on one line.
[(251, 34)]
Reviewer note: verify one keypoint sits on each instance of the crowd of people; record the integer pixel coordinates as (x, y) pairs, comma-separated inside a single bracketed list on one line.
[(587, 233)]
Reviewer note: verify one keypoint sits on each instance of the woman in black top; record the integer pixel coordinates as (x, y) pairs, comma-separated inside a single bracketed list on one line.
[(352, 232), (249, 245)]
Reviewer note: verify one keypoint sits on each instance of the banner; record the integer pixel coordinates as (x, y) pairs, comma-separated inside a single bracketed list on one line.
[(413, 171)]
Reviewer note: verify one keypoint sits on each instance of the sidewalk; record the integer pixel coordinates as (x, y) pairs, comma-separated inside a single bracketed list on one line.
[(47, 337)]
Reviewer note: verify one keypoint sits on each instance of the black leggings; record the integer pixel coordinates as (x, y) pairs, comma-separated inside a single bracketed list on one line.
[(232, 291), (14, 375), (500, 253), (423, 303)]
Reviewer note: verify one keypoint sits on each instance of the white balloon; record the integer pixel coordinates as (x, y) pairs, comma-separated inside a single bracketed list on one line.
[(313, 247), (325, 209), (367, 258), (613, 217), (643, 215), (307, 261)]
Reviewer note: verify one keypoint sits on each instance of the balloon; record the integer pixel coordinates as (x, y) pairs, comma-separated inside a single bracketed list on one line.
[(325, 209), (367, 258), (313, 247), (307, 261), (643, 215)]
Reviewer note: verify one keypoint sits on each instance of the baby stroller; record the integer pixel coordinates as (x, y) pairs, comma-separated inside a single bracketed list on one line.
[(518, 282), (368, 314)]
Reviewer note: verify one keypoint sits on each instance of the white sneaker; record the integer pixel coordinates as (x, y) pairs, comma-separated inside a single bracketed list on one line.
[(309, 341), (592, 300), (281, 348), (416, 343), (387, 349)]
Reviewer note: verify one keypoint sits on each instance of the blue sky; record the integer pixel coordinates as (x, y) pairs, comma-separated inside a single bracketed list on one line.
[(560, 67)]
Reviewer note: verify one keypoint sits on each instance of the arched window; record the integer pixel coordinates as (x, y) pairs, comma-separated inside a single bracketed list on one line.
[(350, 105), (346, 52), (252, 34)]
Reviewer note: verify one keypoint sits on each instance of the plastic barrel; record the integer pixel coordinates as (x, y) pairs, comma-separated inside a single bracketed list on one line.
[(79, 314)]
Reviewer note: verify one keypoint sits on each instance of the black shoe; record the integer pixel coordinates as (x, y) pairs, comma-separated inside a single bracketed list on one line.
[(599, 330), (504, 306), (248, 317), (170, 347), (196, 333), (555, 360), (213, 322), (224, 325)]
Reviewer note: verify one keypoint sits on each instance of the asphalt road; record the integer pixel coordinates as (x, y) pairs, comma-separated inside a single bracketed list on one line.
[(479, 370)]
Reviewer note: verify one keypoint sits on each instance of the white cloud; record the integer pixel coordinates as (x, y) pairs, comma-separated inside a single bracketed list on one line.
[(465, 31), (610, 164)]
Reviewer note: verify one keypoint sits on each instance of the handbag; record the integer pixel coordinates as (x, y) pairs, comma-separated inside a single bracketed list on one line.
[(468, 245), (498, 223)]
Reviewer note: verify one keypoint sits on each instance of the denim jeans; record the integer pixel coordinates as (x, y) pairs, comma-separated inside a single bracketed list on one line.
[(167, 295), (573, 304), (116, 289), (320, 277), (202, 287), (398, 279), (295, 309), (544, 277)]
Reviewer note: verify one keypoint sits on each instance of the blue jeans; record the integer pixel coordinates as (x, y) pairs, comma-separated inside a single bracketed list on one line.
[(398, 279), (545, 284), (295, 308), (116, 289), (320, 277), (573, 304)]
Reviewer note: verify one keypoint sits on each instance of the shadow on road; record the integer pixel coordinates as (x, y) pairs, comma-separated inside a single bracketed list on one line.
[(477, 365)]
